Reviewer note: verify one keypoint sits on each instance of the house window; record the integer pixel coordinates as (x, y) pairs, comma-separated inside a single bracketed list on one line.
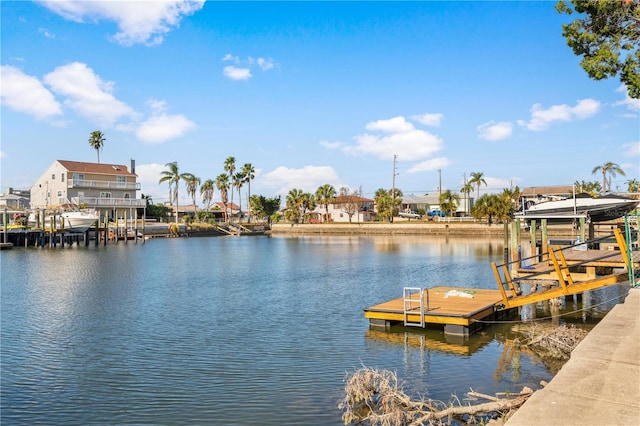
[(53, 176), (105, 195), (80, 195), (126, 196), (121, 181), (62, 177), (59, 194)]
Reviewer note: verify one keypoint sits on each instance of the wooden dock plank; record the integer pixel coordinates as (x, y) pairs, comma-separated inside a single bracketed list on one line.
[(443, 307)]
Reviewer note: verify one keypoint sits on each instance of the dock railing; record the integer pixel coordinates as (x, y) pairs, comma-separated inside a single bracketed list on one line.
[(511, 290), (411, 303)]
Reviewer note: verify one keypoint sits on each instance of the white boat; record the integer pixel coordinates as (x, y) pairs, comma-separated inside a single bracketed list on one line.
[(68, 217), (595, 209)]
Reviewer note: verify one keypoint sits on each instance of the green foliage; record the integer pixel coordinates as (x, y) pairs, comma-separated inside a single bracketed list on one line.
[(606, 37), (158, 211), (592, 188), (449, 202), (263, 207), (611, 169), (96, 140), (492, 207), (387, 204)]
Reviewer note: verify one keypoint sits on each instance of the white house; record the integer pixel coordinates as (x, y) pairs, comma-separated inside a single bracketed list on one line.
[(104, 187), (361, 209)]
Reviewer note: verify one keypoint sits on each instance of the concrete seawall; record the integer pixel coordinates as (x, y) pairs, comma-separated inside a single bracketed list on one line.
[(600, 384), (407, 228)]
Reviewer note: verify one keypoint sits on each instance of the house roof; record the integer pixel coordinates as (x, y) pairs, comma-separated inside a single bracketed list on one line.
[(419, 199), (96, 168), (340, 199), (547, 190)]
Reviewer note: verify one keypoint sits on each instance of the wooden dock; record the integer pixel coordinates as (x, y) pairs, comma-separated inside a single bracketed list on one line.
[(457, 309)]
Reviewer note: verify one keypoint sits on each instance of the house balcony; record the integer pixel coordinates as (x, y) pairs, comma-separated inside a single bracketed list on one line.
[(103, 184), (97, 202)]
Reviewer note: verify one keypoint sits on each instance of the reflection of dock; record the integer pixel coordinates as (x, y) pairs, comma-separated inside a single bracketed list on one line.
[(459, 310), (446, 344)]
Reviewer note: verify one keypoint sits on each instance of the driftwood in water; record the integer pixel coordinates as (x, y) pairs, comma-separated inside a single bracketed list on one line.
[(551, 342), (373, 397)]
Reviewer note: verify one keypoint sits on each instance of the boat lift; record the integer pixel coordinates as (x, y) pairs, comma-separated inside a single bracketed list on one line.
[(559, 269)]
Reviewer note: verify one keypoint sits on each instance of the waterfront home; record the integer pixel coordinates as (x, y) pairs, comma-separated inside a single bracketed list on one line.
[(361, 209), (107, 188), (14, 199)]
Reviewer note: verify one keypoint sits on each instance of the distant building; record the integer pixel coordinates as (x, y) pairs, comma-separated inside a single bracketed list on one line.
[(14, 199), (537, 194), (104, 187), (432, 202), (362, 209)]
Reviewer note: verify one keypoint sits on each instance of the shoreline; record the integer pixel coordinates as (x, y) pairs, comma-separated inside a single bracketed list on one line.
[(406, 228)]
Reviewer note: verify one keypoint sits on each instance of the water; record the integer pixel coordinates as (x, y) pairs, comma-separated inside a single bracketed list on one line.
[(242, 331)]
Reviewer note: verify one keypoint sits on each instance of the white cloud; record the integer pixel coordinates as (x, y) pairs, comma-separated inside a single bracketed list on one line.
[(161, 128), (429, 119), (409, 146), (230, 57), (46, 33), (331, 145), (430, 165), (243, 69), (138, 21), (492, 131), (631, 149), (235, 73), (24, 93), (629, 102), (87, 94), (265, 64), (392, 125), (157, 105), (541, 119), (308, 178)]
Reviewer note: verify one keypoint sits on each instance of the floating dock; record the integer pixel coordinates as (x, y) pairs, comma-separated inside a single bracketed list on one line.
[(459, 310)]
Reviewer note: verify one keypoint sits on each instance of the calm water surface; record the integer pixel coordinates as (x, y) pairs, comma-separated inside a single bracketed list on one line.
[(243, 331)]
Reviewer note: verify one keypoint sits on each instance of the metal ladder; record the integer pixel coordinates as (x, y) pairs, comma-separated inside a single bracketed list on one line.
[(411, 303)]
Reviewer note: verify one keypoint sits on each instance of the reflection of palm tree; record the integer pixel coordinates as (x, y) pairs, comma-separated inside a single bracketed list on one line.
[(610, 169), (206, 190), (477, 179), (222, 183), (173, 176), (325, 195), (96, 140)]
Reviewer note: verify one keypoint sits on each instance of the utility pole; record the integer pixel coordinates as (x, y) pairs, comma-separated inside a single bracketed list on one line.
[(393, 187), (439, 185)]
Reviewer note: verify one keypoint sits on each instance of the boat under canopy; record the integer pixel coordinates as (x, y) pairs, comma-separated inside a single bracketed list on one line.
[(595, 209)]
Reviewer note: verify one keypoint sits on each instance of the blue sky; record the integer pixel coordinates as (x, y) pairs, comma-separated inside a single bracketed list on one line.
[(309, 93)]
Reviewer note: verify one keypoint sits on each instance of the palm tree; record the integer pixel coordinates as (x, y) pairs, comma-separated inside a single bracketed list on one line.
[(449, 202), (230, 168), (249, 174), (222, 183), (192, 187), (467, 189), (238, 180), (589, 187), (206, 190), (633, 185), (295, 200), (610, 169), (325, 195), (96, 140), (173, 176), (477, 179)]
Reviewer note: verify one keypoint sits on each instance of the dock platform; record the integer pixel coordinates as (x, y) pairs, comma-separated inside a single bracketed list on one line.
[(457, 309)]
